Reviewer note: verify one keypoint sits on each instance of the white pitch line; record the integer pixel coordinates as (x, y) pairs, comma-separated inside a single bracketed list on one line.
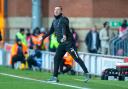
[(26, 78), (79, 80)]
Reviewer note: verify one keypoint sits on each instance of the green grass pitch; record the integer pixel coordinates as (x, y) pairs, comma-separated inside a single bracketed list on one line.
[(8, 82)]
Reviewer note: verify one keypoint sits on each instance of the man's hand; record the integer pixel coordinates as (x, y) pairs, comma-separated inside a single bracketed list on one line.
[(63, 39)]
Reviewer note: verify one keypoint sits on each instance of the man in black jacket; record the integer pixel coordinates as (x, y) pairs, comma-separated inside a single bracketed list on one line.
[(60, 26), (92, 40)]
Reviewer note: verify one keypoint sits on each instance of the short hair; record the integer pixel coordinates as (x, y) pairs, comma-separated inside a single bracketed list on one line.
[(22, 30), (59, 7), (125, 20), (105, 23)]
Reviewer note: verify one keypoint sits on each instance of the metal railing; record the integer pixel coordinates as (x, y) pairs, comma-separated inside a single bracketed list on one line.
[(95, 63), (119, 45)]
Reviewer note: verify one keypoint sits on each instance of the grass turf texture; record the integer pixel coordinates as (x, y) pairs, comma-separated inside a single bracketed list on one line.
[(7, 82)]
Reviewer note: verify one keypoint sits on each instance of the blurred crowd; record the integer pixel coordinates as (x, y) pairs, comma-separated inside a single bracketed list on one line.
[(33, 41), (99, 41)]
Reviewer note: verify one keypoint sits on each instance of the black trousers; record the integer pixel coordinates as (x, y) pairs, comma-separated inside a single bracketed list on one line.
[(31, 61), (17, 58), (93, 51), (61, 50)]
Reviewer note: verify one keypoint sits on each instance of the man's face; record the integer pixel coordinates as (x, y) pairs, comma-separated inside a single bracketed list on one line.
[(22, 32), (107, 26), (37, 32), (93, 29), (57, 11)]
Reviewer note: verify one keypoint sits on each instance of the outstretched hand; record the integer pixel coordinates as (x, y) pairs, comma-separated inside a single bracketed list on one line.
[(64, 38)]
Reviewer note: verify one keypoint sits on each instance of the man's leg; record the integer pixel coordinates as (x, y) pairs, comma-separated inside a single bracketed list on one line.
[(30, 61), (61, 65), (14, 60), (94, 51), (76, 57), (57, 60), (22, 59)]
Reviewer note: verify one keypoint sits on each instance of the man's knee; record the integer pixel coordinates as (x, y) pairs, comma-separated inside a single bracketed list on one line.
[(73, 53), (14, 59), (79, 60)]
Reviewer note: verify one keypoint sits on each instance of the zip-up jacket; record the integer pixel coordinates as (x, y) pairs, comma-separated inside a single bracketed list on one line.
[(60, 26)]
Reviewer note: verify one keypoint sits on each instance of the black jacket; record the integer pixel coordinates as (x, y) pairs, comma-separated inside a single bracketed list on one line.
[(60, 26), (88, 40)]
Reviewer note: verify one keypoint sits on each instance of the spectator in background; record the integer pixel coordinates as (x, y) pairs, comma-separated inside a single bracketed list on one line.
[(35, 60), (22, 36), (104, 38), (124, 28), (45, 44), (46, 41), (43, 30), (36, 39), (92, 40), (18, 53), (76, 38), (28, 38)]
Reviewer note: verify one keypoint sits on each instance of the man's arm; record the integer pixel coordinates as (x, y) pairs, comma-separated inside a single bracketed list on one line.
[(65, 24), (49, 33), (87, 38)]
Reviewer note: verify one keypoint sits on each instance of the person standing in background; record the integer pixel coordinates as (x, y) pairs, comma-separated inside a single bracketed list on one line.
[(104, 38), (92, 40), (76, 38), (124, 28)]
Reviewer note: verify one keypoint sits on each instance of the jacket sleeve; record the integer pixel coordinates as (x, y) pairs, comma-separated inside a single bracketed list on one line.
[(25, 49), (65, 24), (49, 33), (103, 35), (98, 40), (87, 39)]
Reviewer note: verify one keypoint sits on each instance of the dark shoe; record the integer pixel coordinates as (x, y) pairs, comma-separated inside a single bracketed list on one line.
[(53, 79), (87, 77)]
